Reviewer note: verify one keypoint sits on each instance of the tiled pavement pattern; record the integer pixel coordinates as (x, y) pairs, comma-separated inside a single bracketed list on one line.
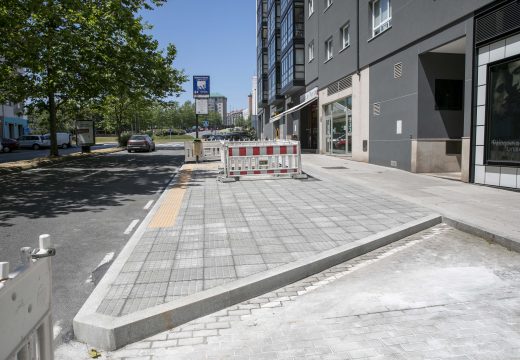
[(388, 304), (228, 231)]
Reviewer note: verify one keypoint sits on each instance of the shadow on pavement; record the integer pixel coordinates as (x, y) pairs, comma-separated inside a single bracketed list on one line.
[(87, 185)]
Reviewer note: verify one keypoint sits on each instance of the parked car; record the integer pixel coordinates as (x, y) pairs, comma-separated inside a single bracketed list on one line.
[(34, 141), (9, 145), (140, 143), (63, 139)]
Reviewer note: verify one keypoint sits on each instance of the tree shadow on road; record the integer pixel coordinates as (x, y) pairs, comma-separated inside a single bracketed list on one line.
[(86, 185)]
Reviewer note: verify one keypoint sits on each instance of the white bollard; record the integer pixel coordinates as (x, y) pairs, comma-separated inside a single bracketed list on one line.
[(45, 241), (4, 271)]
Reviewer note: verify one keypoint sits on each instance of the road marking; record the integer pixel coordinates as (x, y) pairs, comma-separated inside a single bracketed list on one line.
[(131, 227), (147, 206)]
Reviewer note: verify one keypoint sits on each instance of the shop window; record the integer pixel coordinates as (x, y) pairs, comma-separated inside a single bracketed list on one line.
[(503, 113)]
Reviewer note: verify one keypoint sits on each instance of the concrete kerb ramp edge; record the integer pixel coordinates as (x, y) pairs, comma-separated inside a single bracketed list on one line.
[(110, 333)]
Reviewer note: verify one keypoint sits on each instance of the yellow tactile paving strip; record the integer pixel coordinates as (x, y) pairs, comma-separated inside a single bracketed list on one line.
[(169, 208)]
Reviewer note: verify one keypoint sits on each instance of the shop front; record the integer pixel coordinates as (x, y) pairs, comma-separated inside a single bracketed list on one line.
[(496, 149)]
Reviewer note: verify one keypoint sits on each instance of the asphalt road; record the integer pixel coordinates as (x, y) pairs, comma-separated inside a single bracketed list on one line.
[(88, 206), (28, 154)]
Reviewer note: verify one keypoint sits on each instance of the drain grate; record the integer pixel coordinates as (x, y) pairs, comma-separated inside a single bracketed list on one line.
[(334, 167)]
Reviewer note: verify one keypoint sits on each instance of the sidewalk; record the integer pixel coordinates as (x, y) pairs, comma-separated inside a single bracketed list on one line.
[(495, 212), (207, 245)]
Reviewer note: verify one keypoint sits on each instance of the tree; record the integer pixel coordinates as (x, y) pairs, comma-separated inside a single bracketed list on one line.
[(58, 51), (214, 119)]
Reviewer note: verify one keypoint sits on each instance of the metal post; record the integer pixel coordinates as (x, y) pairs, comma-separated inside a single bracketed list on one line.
[(197, 135)]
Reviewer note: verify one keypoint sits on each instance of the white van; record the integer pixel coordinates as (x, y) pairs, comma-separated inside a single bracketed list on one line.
[(63, 139)]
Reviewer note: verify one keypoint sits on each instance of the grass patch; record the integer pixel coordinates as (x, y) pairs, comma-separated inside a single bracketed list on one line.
[(167, 139), (105, 139)]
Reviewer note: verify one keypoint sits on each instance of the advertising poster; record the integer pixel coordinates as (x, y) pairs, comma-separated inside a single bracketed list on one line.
[(85, 133), (503, 122)]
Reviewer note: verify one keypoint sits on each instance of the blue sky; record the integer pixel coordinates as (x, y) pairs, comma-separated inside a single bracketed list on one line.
[(213, 37)]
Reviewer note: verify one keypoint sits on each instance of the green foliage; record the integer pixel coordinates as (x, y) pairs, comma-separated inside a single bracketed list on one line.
[(123, 138), (83, 52)]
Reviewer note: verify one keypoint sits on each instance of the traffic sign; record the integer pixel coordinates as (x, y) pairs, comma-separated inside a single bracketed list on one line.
[(200, 86)]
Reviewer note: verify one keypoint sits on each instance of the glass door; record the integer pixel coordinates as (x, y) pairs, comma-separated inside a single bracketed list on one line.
[(338, 127), (328, 135)]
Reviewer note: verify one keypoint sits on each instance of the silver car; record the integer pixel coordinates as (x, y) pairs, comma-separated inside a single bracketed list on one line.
[(140, 143), (34, 141)]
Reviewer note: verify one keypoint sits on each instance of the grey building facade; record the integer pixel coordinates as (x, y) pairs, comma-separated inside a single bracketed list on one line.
[(423, 86), (405, 83)]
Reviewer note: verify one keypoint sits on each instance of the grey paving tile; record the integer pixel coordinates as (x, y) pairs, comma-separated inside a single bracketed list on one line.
[(246, 270), (187, 274)]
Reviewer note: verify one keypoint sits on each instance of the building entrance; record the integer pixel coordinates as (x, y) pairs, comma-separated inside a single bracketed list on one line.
[(338, 127)]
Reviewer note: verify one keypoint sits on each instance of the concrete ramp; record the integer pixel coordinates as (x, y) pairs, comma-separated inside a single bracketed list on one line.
[(208, 245)]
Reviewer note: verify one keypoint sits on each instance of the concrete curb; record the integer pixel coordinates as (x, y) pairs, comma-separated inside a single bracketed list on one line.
[(503, 240), (110, 333)]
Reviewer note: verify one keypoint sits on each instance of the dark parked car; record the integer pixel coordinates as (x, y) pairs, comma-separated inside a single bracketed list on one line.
[(140, 143), (9, 145)]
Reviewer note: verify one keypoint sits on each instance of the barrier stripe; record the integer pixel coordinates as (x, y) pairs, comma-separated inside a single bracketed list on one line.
[(260, 172), (263, 150), (259, 158)]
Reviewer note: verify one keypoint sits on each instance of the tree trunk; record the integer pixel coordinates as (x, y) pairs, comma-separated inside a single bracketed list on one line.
[(52, 125)]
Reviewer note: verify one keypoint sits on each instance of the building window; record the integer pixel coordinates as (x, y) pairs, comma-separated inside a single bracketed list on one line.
[(272, 52), (328, 50), (381, 16), (287, 28), (271, 22), (311, 7), (311, 51), (272, 85), (327, 3), (287, 68), (285, 4), (345, 36)]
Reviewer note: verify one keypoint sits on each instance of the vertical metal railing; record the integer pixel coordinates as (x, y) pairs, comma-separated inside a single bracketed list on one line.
[(25, 305)]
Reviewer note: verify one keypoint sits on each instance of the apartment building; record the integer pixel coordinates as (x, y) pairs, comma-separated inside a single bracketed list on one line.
[(281, 68), (12, 123), (423, 86), (233, 116), (218, 103)]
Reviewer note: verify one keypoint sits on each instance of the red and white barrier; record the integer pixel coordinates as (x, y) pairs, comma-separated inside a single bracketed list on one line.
[(252, 158)]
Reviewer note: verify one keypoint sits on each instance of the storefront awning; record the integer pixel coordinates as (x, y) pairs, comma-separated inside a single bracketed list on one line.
[(293, 109)]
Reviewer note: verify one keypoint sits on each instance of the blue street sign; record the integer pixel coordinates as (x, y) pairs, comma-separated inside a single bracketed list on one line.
[(205, 123), (201, 86)]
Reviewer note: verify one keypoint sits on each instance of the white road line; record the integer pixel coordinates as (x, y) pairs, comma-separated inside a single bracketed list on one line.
[(131, 227), (148, 204)]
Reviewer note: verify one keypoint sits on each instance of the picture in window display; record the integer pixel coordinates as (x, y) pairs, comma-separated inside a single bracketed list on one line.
[(503, 124)]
